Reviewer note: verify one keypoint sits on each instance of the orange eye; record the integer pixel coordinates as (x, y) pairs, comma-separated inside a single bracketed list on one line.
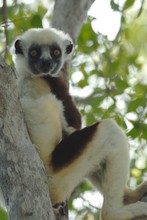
[(34, 53), (57, 52)]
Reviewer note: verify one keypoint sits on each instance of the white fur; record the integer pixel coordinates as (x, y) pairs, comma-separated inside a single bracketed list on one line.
[(43, 114), (103, 145)]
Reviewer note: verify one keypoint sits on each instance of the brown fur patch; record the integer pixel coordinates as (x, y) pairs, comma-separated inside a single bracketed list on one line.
[(71, 147), (60, 89)]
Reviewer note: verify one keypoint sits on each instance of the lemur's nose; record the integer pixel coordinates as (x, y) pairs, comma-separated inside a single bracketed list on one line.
[(46, 65), (47, 62)]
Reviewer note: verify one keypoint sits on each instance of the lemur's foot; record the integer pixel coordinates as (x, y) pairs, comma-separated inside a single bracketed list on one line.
[(138, 194), (61, 210)]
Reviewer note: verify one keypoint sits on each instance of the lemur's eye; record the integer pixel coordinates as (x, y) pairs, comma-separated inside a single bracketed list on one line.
[(55, 52), (33, 53)]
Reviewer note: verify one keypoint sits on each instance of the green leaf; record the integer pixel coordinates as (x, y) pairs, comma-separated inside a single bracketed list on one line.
[(87, 41), (144, 131), (114, 6), (121, 85), (141, 8), (134, 133), (36, 21), (136, 172), (128, 4), (3, 215), (134, 104)]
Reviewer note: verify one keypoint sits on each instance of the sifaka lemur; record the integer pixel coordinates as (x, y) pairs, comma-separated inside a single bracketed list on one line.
[(70, 153)]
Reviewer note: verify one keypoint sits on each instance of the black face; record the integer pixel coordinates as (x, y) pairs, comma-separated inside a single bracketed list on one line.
[(44, 59)]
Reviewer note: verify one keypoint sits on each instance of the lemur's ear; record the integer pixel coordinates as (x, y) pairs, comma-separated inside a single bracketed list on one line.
[(69, 47), (18, 47)]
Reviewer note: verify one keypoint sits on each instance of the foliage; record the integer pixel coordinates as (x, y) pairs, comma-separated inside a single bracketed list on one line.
[(108, 78), (3, 215)]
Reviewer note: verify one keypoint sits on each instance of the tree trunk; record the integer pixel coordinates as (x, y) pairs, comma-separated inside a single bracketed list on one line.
[(70, 15), (22, 175)]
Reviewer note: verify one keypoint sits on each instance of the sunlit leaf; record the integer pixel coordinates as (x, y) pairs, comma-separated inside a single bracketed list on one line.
[(133, 104), (87, 41), (136, 172)]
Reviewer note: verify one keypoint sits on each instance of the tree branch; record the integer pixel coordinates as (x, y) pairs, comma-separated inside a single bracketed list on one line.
[(70, 15)]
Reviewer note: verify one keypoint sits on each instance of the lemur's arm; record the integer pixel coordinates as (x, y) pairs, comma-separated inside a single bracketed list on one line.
[(60, 89)]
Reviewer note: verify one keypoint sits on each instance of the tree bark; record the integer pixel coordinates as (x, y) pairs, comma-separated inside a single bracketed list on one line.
[(70, 15), (22, 175)]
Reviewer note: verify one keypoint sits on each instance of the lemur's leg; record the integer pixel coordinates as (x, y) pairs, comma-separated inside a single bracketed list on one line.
[(103, 147), (130, 195)]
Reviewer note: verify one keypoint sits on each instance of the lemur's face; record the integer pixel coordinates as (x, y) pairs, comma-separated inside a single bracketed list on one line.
[(46, 53), (44, 59)]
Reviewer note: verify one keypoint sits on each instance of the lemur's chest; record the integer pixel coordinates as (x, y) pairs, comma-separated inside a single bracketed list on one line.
[(42, 111)]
